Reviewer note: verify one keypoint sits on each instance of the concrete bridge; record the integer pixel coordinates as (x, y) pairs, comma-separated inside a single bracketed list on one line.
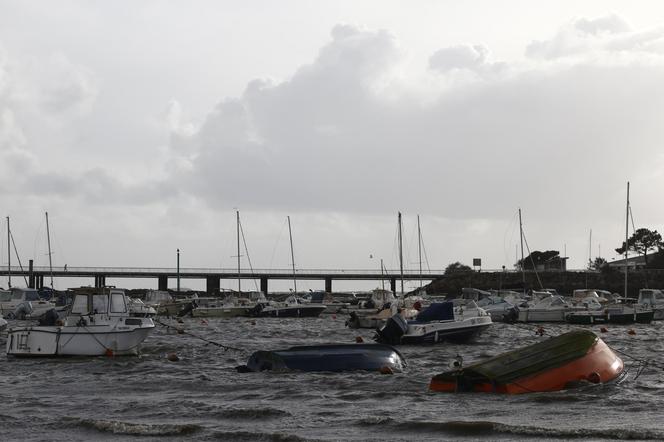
[(35, 275)]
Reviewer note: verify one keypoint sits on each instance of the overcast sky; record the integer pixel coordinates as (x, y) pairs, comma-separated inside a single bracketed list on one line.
[(141, 126)]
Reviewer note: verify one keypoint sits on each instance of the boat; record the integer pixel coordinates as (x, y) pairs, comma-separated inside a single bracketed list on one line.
[(624, 311), (97, 324), (654, 299), (230, 307), (439, 322), (548, 309), (138, 309), (328, 357), (377, 319), (292, 307), (572, 359), (23, 303), (164, 303), (500, 308)]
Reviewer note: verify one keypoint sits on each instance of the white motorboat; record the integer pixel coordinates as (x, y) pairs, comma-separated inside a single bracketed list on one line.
[(548, 309), (292, 307), (97, 324), (654, 299), (230, 307), (377, 319), (138, 309), (439, 322), (164, 303), (23, 303)]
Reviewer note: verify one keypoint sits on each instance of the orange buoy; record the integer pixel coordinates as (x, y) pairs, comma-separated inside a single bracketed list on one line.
[(172, 357), (334, 316), (359, 339), (386, 370), (204, 322), (540, 331), (604, 329), (631, 332), (109, 352)]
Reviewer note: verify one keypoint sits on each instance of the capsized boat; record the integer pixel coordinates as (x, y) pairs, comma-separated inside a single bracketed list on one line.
[(97, 324), (558, 363), (328, 357), (441, 321)]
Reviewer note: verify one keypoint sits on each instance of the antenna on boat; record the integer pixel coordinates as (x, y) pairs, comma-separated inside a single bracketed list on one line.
[(419, 247), (239, 283), (9, 256), (290, 234), (50, 258), (626, 238), (400, 253), (523, 262)]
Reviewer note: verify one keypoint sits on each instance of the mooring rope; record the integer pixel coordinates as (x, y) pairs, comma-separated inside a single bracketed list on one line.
[(182, 331)]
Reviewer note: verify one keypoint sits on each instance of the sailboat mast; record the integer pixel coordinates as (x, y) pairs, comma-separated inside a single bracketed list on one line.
[(523, 262), (419, 247), (400, 253), (239, 283), (290, 234), (626, 237), (590, 249), (50, 258), (9, 256)]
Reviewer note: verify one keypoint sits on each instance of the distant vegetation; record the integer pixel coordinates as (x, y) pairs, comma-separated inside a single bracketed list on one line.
[(537, 258), (457, 267), (641, 242)]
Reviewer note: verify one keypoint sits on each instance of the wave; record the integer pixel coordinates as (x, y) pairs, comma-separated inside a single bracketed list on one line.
[(134, 429), (241, 436), (487, 428), (252, 413)]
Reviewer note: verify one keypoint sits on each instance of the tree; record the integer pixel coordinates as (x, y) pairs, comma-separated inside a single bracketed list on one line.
[(598, 264), (641, 242), (537, 258), (457, 267)]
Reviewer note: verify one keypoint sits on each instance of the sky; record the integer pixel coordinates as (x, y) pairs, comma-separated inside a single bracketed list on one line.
[(141, 127)]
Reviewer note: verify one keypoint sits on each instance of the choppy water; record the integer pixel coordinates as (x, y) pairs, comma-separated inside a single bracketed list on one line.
[(202, 397)]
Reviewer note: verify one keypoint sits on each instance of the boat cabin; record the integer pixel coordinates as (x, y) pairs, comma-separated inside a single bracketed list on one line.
[(104, 301), (651, 297)]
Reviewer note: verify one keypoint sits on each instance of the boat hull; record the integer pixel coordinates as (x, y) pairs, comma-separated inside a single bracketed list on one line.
[(456, 335), (306, 311), (72, 341), (219, 312), (611, 318), (548, 368), (333, 357)]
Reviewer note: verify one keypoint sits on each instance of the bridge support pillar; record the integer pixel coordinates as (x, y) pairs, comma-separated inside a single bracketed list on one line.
[(100, 281), (212, 284), (328, 285), (31, 276), (162, 282), (264, 285), (393, 285)]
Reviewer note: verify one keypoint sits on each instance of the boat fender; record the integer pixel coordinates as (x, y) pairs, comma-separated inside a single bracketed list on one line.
[(594, 377)]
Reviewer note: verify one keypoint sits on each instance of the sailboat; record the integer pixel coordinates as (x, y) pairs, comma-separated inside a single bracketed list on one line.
[(293, 306)]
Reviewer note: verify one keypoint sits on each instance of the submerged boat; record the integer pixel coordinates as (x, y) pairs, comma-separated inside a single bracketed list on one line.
[(559, 363), (97, 323), (443, 321), (329, 357)]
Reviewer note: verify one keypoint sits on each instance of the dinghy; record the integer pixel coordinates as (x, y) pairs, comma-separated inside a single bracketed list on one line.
[(329, 357), (571, 359)]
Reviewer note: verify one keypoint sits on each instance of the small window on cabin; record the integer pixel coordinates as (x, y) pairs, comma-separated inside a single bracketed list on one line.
[(646, 297), (118, 303), (100, 303), (80, 305)]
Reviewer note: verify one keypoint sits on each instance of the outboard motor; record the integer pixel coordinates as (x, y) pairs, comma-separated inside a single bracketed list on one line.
[(187, 309), (392, 331), (23, 309), (49, 318), (256, 310)]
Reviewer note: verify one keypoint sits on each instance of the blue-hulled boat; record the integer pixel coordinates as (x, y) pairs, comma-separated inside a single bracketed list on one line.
[(328, 357)]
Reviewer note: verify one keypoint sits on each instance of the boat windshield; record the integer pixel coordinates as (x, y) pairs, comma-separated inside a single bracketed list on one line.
[(80, 305), (100, 303), (118, 303), (5, 296)]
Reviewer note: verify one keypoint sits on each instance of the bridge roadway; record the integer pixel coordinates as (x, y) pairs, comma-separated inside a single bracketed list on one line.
[(36, 274)]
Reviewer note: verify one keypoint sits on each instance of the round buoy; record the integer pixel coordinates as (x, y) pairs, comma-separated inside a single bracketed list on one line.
[(204, 322), (604, 329), (109, 352), (359, 339), (334, 316), (540, 331), (172, 357), (386, 370), (631, 332)]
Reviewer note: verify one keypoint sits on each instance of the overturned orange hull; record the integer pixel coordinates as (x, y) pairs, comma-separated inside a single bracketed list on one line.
[(556, 364)]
